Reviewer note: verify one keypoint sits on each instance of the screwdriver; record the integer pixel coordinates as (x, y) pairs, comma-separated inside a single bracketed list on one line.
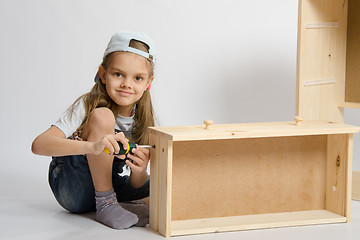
[(130, 147)]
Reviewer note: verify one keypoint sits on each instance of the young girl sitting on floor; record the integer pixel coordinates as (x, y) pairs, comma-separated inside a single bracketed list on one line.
[(82, 176)]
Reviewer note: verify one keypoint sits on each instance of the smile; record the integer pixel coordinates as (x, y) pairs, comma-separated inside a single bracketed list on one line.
[(123, 93)]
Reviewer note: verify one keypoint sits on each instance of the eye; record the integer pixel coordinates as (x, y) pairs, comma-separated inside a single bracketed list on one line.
[(138, 78), (117, 74)]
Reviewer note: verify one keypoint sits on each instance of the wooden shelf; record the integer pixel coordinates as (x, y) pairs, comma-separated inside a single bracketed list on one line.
[(349, 105), (210, 225)]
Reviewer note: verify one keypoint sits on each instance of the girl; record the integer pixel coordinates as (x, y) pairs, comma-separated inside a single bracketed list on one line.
[(81, 175)]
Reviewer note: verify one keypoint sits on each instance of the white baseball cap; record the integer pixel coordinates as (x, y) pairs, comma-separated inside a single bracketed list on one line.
[(120, 41)]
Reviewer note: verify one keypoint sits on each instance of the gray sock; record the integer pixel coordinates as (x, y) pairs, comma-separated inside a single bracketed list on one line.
[(110, 213), (140, 208)]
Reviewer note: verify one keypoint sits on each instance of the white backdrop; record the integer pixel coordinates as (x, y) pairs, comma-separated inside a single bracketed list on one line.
[(233, 61)]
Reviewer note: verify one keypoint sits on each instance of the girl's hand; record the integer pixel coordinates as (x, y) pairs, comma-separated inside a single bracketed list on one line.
[(140, 158), (110, 142)]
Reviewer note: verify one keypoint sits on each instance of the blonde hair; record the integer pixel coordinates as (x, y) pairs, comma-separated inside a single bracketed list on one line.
[(98, 97)]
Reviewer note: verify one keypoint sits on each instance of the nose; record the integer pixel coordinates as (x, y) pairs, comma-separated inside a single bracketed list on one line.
[(126, 83)]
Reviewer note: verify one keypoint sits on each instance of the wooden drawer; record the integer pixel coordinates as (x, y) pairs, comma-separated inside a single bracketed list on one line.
[(249, 176)]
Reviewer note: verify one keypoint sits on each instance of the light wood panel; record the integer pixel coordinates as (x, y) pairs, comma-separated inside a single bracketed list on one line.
[(154, 183), (160, 185), (165, 189), (252, 130), (348, 173), (356, 185), (321, 55), (254, 222), (336, 173), (349, 105)]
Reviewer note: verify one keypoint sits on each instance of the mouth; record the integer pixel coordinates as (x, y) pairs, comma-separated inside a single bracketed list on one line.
[(123, 93)]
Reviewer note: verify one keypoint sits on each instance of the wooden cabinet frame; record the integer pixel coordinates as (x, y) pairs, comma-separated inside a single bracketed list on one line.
[(328, 76), (328, 73)]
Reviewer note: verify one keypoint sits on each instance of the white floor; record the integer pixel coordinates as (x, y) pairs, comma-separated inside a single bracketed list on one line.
[(44, 219)]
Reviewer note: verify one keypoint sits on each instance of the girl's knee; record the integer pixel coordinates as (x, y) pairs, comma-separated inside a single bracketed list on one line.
[(102, 119), (76, 203)]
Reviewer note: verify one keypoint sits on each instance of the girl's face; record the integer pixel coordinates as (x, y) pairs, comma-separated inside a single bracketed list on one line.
[(126, 78)]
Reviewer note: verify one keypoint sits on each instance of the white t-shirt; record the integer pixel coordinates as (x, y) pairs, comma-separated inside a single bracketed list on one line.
[(72, 118)]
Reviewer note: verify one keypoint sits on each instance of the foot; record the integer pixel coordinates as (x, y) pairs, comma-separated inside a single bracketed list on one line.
[(140, 208), (110, 213)]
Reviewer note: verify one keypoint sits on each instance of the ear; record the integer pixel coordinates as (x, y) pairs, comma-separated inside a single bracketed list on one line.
[(102, 74), (150, 82)]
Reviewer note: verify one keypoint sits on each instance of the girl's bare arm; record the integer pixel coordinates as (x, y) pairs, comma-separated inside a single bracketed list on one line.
[(52, 142)]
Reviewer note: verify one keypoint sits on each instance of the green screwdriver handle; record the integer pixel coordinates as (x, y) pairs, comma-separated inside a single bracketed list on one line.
[(130, 147)]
